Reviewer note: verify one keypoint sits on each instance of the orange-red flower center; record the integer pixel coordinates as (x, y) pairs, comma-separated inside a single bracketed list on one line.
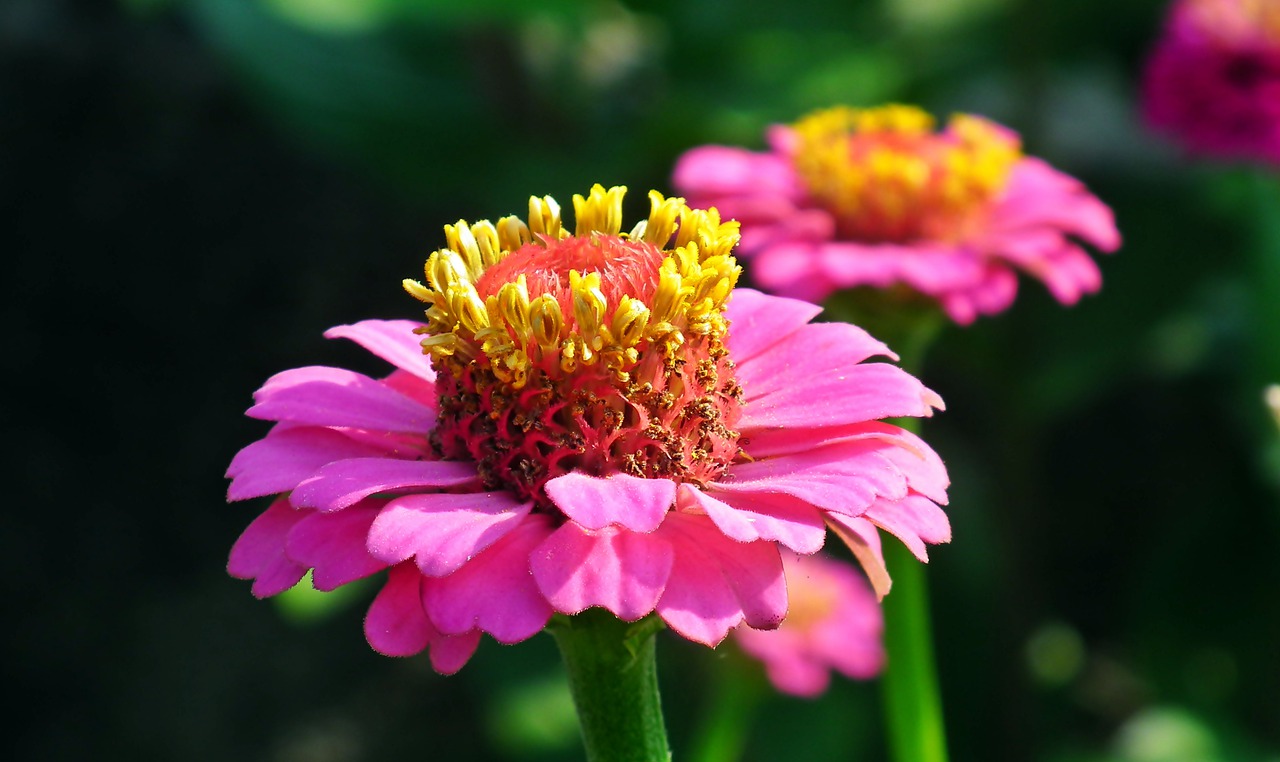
[(598, 352)]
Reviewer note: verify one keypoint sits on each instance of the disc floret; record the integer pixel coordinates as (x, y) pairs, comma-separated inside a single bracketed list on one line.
[(596, 350), (886, 175)]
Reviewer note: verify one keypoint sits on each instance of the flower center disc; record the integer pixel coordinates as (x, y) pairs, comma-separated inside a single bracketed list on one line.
[(599, 352), (887, 176)]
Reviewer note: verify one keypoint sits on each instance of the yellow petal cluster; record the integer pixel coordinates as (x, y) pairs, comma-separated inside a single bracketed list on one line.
[(885, 174), (517, 333)]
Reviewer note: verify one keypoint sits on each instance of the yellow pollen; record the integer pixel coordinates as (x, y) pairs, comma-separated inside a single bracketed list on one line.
[(584, 320), (886, 175)]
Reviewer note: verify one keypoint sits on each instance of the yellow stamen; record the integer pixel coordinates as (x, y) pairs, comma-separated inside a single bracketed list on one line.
[(513, 330)]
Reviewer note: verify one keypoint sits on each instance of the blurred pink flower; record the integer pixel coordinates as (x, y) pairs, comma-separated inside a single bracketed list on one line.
[(875, 197), (1213, 79), (587, 431), (834, 622)]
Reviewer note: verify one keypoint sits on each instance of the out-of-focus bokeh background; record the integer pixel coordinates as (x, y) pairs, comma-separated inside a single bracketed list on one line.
[(193, 190)]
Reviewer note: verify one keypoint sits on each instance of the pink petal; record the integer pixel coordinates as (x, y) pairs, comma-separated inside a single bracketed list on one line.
[(717, 583), (854, 649), (625, 572), (758, 321), (285, 457), (596, 502), (790, 267), (863, 540), (413, 387), (814, 395), (960, 307), (937, 268), (346, 482), (709, 171), (1040, 196), (396, 624), (333, 545), (776, 517), (996, 291), (450, 653), (259, 554), (845, 477), (813, 349), (335, 397), (924, 470), (443, 531), (770, 442), (789, 667), (1070, 274), (915, 520), (392, 340), (495, 592)]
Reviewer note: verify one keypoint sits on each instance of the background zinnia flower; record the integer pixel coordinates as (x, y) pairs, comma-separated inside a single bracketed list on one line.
[(834, 623), (1212, 81), (875, 197), (602, 421)]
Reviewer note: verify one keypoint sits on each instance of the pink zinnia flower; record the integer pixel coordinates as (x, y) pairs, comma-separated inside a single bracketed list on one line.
[(585, 429), (834, 622), (1213, 79), (875, 197)]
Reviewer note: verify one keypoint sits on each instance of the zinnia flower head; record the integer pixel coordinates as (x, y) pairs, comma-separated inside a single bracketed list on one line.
[(878, 197), (587, 418), (834, 623), (1213, 79)]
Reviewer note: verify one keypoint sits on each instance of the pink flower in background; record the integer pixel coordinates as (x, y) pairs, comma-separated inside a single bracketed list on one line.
[(875, 197), (1213, 79), (600, 419), (834, 622)]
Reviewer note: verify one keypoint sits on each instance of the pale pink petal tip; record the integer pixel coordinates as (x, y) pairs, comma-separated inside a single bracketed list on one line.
[(624, 572)]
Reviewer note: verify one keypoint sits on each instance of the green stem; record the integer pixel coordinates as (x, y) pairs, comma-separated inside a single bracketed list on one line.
[(737, 688), (612, 669), (913, 705)]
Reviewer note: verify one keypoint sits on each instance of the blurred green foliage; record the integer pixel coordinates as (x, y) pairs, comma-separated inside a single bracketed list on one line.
[(200, 187)]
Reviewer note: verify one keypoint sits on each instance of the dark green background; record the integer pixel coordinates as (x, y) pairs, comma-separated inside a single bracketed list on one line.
[(193, 191)]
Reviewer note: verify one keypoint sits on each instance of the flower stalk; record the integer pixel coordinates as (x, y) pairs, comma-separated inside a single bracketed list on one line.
[(612, 669), (914, 724), (913, 705)]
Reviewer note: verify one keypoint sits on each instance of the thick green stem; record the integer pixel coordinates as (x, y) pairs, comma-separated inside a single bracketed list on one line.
[(613, 676), (913, 705)]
